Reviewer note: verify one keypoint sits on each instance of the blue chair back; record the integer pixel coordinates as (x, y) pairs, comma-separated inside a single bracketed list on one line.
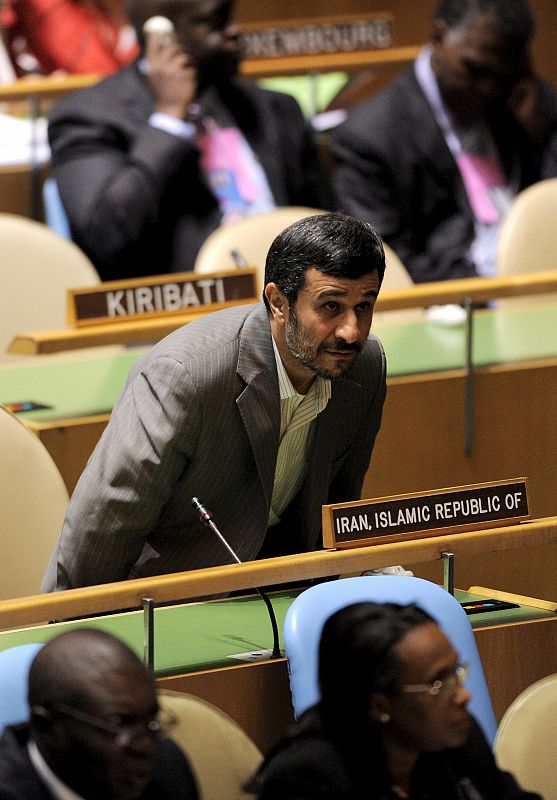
[(14, 672), (309, 611)]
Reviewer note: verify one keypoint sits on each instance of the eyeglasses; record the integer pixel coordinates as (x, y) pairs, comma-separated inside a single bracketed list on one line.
[(123, 733), (440, 688)]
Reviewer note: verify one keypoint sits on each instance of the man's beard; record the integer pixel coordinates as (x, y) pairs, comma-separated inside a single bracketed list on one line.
[(302, 348)]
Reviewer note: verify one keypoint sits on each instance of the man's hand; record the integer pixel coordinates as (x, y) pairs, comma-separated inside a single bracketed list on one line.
[(172, 76)]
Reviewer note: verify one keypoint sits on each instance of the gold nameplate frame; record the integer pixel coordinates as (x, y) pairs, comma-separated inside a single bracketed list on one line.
[(423, 514), (161, 296)]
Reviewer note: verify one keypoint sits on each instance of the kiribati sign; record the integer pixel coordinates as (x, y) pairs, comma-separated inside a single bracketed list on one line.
[(413, 516), (308, 37), (161, 295)]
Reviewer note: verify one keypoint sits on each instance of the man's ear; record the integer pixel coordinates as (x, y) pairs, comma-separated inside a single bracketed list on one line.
[(277, 300)]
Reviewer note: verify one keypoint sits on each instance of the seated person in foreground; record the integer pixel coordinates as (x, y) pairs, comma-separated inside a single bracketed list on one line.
[(435, 159), (264, 412), (392, 722), (153, 159), (94, 732)]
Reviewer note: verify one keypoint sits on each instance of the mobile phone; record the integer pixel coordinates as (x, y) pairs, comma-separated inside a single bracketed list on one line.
[(490, 604), (25, 405), (160, 26)]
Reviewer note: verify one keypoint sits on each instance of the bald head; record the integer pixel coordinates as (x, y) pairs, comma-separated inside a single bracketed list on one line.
[(70, 667)]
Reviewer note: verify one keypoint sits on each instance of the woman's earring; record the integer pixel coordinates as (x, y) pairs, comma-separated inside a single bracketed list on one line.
[(384, 717)]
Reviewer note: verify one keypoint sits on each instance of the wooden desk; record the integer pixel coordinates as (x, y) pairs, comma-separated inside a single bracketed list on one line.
[(244, 691)]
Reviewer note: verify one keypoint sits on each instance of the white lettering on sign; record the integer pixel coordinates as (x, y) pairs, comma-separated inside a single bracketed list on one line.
[(168, 297), (114, 304), (468, 507), (341, 37), (404, 516), (513, 500)]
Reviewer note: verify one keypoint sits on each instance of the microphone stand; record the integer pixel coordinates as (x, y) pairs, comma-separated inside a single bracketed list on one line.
[(206, 517)]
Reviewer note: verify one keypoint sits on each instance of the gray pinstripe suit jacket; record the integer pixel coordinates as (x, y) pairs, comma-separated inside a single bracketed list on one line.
[(199, 416)]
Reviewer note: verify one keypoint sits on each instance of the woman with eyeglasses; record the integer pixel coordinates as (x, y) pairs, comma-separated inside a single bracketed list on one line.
[(392, 722)]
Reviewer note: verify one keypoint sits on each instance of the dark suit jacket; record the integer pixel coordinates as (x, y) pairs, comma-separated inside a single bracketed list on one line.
[(200, 416), (394, 169), (173, 779), (314, 768), (136, 199)]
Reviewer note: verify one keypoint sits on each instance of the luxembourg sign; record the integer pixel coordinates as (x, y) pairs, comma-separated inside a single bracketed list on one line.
[(414, 516), (308, 37)]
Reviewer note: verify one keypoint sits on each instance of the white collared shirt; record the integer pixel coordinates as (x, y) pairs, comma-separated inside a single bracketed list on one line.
[(297, 419), (56, 787)]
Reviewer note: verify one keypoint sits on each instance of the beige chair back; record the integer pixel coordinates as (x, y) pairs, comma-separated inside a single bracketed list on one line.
[(396, 277), (525, 741), (37, 267), (250, 238), (221, 754), (528, 235), (33, 502)]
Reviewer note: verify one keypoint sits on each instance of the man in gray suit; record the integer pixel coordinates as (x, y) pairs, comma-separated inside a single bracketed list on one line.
[(265, 412)]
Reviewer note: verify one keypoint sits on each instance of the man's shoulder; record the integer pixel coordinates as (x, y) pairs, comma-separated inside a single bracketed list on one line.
[(121, 84), (387, 110), (265, 98), (213, 332), (13, 743), (17, 776)]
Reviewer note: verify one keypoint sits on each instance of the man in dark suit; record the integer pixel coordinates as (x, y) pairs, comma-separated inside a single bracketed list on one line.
[(154, 158), (264, 412), (94, 731), (434, 160)]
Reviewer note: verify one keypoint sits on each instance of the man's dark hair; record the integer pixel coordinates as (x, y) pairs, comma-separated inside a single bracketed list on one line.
[(335, 244), (513, 19)]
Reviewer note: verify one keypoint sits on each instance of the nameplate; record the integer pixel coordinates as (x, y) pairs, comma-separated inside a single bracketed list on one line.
[(160, 296), (416, 516), (343, 34)]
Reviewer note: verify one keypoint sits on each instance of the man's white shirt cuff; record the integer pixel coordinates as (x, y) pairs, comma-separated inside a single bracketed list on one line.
[(173, 125)]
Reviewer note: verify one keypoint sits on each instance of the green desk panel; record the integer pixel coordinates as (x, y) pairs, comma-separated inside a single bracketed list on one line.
[(187, 637), (500, 336), (202, 636), (74, 386), (84, 385)]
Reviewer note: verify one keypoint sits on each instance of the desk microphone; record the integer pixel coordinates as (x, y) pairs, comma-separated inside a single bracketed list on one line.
[(206, 517)]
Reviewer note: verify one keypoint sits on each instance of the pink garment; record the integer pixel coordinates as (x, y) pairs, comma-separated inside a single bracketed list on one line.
[(233, 172), (482, 174)]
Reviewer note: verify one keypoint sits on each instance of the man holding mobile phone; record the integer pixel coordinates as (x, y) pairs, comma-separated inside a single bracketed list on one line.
[(153, 159)]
